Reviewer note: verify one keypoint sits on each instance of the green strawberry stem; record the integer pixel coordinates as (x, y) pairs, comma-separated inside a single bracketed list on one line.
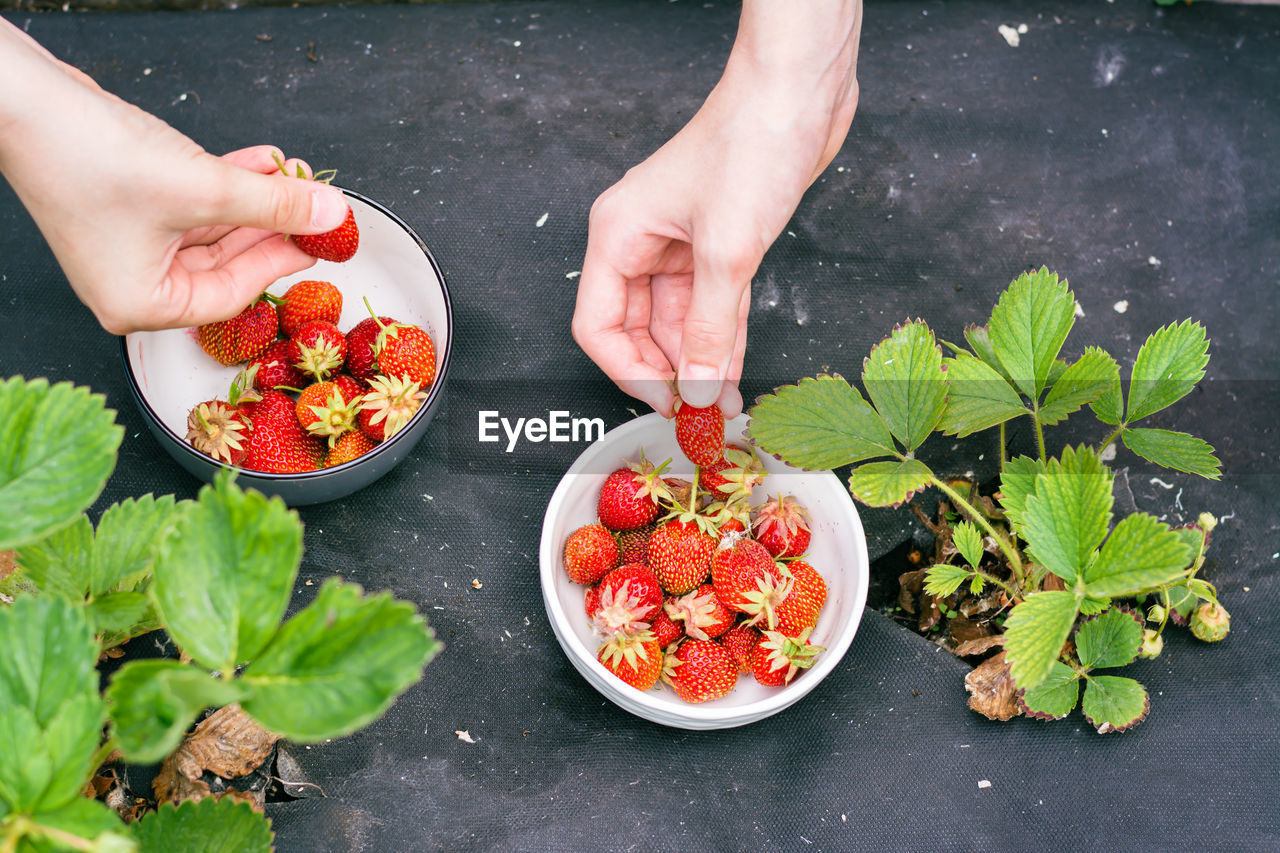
[(23, 826), (1115, 433), (1010, 554), (1035, 417)]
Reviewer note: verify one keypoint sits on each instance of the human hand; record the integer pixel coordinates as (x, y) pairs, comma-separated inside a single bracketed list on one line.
[(672, 247), (152, 231)]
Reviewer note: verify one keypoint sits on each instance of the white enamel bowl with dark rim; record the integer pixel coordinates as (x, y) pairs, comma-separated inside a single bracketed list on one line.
[(168, 373), (838, 551)]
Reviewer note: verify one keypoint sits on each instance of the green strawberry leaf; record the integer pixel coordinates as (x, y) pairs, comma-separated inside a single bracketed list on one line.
[(979, 338), (83, 818), (224, 575), (154, 702), (888, 483), (1028, 327), (1110, 639), (125, 541), (977, 397), (1017, 483), (905, 381), (1113, 703), (1092, 606), (1175, 450), (61, 563), (1056, 696), (1139, 554), (1202, 589), (338, 664), (1056, 370), (1088, 378), (943, 579), (968, 542), (52, 718), (204, 826), (818, 424), (1168, 366), (1109, 406), (57, 447), (1034, 634), (117, 612), (1181, 600), (1067, 517)]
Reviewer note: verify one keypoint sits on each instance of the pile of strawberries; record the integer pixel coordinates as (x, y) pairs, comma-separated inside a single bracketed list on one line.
[(309, 396), (687, 582)]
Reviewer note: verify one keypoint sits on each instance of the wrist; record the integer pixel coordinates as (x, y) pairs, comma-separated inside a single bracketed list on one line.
[(807, 47)]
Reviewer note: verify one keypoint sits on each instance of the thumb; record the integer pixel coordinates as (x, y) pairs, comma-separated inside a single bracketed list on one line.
[(273, 202), (711, 323)]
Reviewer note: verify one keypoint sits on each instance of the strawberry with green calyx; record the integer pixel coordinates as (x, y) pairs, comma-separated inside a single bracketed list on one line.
[(403, 350), (680, 555), (701, 613), (700, 433), (1152, 644), (630, 495), (349, 446), (732, 477), (664, 630), (319, 349), (362, 363), (635, 658), (242, 337), (741, 641), (388, 406), (777, 658), (800, 609), (589, 554), (324, 411), (781, 524), (305, 302), (220, 430), (700, 670), (273, 368), (338, 245), (1210, 622), (278, 443), (745, 576), (629, 597)]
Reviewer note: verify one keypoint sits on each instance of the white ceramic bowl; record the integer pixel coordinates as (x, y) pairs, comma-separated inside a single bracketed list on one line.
[(168, 373), (838, 551)]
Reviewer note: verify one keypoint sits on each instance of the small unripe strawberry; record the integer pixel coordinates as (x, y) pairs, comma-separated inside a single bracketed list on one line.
[(1152, 644), (1155, 613), (1210, 622)]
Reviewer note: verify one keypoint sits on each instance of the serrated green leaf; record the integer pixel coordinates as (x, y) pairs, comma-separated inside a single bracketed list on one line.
[(1181, 600), (1034, 634), (1057, 695), (1175, 450), (154, 702), (1113, 703), (819, 424), (53, 715), (905, 381), (979, 338), (968, 542), (1109, 407), (57, 447), (1168, 366), (977, 397), (125, 540), (1017, 483), (1201, 589), (338, 664), (1092, 606), (1067, 517), (1112, 639), (888, 483), (83, 818), (943, 579), (1056, 370), (205, 826), (61, 563), (224, 576), (117, 612), (1193, 538), (1140, 553), (1028, 327), (1088, 378)]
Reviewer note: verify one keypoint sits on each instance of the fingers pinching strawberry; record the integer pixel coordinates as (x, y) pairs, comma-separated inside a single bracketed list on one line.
[(700, 433), (338, 245)]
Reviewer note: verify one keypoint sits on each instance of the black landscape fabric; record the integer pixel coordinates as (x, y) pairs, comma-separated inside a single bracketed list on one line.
[(1129, 147)]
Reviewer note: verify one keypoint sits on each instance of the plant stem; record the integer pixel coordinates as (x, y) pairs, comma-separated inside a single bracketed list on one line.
[(997, 582), (104, 752), (1004, 450), (1010, 553), (1035, 418), (23, 826), (1107, 442)]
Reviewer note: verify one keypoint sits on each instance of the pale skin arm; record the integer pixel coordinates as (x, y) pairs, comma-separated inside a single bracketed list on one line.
[(152, 231), (672, 247)]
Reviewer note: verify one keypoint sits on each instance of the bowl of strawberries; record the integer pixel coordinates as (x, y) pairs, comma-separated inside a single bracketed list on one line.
[(324, 383), (694, 582)]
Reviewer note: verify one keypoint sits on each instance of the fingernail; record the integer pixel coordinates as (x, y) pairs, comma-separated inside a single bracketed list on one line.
[(328, 208), (699, 385)]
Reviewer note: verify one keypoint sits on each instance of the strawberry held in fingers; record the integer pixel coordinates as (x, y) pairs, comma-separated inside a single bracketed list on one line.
[(338, 245), (242, 337), (700, 433)]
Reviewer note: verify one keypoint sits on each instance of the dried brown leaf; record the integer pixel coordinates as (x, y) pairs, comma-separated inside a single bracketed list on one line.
[(978, 646), (228, 744), (992, 691), (964, 629), (1053, 583), (910, 587), (8, 563)]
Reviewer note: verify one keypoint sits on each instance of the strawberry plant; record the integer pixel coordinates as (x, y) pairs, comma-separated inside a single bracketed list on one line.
[(217, 573), (1064, 590)]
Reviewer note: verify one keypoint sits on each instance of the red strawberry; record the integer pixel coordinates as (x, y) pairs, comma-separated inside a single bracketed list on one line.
[(635, 658), (700, 670), (746, 578), (701, 613), (361, 361), (338, 245), (733, 475), (406, 351), (319, 349), (741, 641), (629, 497), (633, 545), (629, 596), (324, 411), (275, 368), (782, 526), (307, 301), (664, 630), (218, 429), (350, 446), (680, 555), (800, 609), (589, 553), (700, 433), (278, 443), (777, 658), (592, 601), (388, 406), (242, 337)]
